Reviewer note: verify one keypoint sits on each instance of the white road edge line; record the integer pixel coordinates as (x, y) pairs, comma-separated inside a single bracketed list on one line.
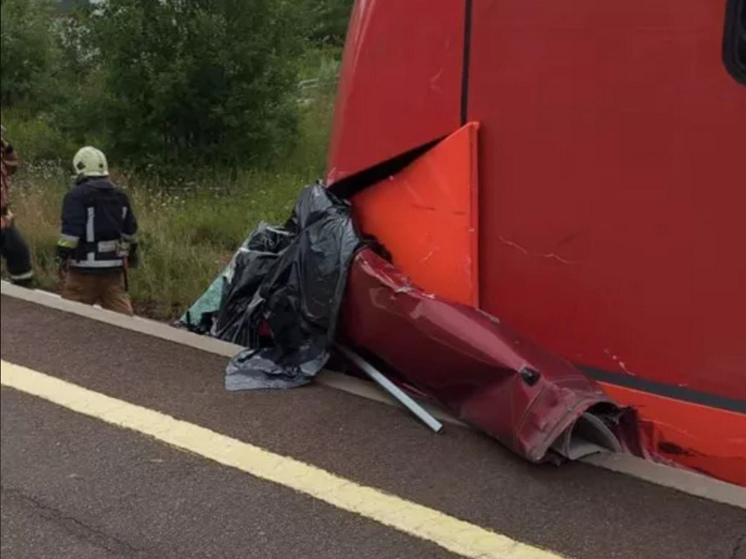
[(688, 482), (457, 536)]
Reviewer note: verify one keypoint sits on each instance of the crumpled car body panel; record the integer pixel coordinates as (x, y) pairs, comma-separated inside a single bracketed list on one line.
[(477, 367), (610, 220)]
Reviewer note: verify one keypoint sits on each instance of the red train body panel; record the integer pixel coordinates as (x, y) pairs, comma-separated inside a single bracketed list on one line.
[(612, 184)]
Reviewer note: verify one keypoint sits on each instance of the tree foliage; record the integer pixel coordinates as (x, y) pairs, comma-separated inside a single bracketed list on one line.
[(328, 21), (170, 84), (201, 81), (26, 51)]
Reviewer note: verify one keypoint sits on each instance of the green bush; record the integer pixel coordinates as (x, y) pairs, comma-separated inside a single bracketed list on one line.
[(36, 137), (327, 21), (206, 88), (26, 51), (316, 109), (199, 83), (174, 87)]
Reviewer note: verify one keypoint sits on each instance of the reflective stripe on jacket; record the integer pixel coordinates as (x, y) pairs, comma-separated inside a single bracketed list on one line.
[(98, 225)]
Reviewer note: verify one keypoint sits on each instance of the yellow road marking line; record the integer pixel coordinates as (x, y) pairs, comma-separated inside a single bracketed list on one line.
[(457, 536)]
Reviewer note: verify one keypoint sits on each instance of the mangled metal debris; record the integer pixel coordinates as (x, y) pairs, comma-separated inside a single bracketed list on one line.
[(296, 291)]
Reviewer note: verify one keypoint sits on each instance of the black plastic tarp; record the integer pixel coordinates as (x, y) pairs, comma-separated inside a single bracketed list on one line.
[(283, 300)]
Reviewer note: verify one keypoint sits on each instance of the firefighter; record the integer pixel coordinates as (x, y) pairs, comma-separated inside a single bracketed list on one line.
[(98, 241), (13, 246)]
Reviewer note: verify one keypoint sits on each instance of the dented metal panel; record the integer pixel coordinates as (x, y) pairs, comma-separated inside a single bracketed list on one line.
[(610, 171), (477, 367)]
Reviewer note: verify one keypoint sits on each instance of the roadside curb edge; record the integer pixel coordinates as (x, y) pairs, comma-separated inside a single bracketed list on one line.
[(685, 481)]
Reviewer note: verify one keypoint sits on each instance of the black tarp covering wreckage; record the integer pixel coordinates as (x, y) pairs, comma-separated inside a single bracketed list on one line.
[(286, 291), (280, 296)]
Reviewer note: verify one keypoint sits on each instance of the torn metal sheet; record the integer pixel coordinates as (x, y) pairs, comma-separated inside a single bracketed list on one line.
[(481, 370), (290, 286), (609, 188)]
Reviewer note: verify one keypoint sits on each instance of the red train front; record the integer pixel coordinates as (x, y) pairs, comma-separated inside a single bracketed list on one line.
[(608, 222)]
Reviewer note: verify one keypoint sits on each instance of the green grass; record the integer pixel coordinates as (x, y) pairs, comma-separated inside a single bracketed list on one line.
[(186, 239), (188, 231)]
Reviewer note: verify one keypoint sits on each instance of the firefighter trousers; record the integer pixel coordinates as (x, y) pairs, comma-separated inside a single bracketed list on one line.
[(17, 256), (107, 289)]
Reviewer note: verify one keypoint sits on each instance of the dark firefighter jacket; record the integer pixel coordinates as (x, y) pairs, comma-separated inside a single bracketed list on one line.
[(9, 165), (98, 227)]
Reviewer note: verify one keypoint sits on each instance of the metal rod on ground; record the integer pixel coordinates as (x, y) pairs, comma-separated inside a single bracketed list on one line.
[(392, 389)]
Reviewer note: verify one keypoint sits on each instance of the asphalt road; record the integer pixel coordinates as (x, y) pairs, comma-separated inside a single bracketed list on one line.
[(74, 487)]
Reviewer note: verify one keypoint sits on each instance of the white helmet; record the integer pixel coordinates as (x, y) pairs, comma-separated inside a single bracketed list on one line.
[(90, 162)]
